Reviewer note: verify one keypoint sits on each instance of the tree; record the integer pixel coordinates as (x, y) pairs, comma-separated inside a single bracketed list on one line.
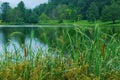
[(15, 16), (21, 9), (111, 13), (5, 11), (92, 12), (33, 18), (68, 13), (59, 12), (40, 9), (27, 14), (43, 18)]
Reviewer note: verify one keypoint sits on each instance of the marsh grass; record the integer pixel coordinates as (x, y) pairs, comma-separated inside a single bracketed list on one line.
[(74, 54)]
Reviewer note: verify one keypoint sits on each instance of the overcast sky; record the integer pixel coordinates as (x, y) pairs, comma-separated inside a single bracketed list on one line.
[(28, 3)]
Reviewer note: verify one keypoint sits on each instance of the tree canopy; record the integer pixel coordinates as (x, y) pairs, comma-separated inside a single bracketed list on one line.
[(92, 12), (62, 10), (5, 8), (111, 13)]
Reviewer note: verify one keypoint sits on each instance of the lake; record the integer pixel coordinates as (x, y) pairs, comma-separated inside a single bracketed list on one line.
[(14, 38)]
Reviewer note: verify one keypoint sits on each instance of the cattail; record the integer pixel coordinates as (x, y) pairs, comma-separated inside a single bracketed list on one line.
[(24, 49), (61, 39), (77, 49), (103, 50), (25, 52)]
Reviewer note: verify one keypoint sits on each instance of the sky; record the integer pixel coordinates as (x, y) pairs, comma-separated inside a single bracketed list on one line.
[(28, 3)]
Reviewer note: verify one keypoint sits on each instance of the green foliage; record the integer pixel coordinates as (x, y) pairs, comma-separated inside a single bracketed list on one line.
[(15, 16), (59, 12), (5, 7), (74, 53), (33, 18), (43, 18), (111, 13), (21, 9), (92, 12), (74, 10)]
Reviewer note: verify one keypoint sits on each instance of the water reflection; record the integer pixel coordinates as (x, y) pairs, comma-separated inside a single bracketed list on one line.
[(33, 46), (1, 42)]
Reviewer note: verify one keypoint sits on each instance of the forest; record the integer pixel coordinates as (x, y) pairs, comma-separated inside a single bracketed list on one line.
[(60, 10)]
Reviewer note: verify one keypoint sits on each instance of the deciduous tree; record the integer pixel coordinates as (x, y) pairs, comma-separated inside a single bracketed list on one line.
[(92, 12), (111, 13), (5, 7)]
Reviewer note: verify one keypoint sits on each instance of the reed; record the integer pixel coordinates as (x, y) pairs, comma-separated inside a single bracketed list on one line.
[(74, 54)]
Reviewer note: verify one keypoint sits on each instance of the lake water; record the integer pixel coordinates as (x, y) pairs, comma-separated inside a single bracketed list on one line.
[(17, 37), (14, 39)]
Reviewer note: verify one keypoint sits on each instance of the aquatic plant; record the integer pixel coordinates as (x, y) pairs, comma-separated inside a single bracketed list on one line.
[(74, 54)]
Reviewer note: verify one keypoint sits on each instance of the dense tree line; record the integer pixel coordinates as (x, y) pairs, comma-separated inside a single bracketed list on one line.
[(18, 15), (74, 10)]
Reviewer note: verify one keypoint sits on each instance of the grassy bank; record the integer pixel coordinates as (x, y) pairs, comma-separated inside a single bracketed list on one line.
[(74, 54), (69, 22), (82, 23)]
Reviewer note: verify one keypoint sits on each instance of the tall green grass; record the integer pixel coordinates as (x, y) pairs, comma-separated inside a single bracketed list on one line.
[(74, 54)]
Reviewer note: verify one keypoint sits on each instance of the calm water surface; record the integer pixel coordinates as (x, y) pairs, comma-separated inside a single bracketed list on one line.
[(11, 41)]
